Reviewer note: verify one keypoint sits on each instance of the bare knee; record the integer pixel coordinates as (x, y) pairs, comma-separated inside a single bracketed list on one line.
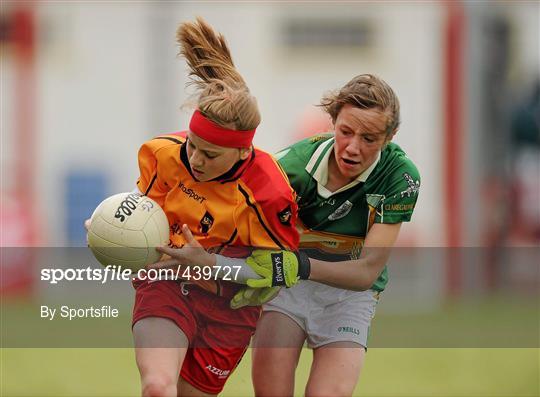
[(274, 362), (157, 385), (273, 371), (273, 384), (335, 370)]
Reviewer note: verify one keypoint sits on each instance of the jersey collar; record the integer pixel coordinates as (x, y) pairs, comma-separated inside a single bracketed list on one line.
[(317, 167)]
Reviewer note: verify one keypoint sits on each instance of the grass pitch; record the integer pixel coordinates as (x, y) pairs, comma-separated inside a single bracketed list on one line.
[(388, 372)]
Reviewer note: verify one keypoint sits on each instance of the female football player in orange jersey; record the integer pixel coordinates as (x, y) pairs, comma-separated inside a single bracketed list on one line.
[(211, 181)]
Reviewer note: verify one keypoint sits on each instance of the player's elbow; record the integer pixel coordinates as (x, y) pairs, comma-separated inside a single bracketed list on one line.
[(366, 275), (358, 282), (362, 284)]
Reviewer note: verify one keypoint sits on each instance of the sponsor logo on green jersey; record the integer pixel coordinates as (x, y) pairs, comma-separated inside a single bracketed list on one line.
[(399, 207)]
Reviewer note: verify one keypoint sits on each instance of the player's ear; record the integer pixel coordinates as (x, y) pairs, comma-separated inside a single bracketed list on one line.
[(245, 153), (390, 136)]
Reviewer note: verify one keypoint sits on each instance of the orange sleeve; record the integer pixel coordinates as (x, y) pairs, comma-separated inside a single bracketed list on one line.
[(273, 211), (270, 222), (153, 158)]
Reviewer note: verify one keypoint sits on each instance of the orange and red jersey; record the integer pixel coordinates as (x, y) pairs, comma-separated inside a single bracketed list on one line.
[(252, 205)]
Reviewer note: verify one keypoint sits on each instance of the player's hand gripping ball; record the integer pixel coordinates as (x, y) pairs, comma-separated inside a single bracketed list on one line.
[(125, 229)]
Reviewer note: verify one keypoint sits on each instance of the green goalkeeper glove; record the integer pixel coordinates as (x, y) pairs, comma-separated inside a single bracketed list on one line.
[(278, 268), (253, 296)]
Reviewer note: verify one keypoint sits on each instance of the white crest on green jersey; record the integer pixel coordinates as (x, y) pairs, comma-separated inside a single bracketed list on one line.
[(341, 211)]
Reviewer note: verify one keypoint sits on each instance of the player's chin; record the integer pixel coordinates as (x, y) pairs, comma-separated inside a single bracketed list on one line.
[(208, 176), (349, 169), (204, 176)]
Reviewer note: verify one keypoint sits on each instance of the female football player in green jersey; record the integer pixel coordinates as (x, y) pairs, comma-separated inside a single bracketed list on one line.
[(354, 189)]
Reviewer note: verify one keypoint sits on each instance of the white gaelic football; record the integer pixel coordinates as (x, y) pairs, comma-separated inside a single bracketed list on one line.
[(125, 229)]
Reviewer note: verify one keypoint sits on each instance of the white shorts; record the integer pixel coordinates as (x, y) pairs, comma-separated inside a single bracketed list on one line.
[(327, 314)]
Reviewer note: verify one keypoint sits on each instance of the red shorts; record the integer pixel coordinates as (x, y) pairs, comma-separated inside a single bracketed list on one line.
[(218, 335)]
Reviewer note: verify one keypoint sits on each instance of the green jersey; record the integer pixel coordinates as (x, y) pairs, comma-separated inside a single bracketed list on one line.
[(333, 225)]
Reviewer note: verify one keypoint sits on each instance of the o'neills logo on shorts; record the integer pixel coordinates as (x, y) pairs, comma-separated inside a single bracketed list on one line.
[(191, 193), (351, 330)]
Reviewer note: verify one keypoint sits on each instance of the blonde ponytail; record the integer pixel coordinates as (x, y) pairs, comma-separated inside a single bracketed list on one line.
[(223, 96)]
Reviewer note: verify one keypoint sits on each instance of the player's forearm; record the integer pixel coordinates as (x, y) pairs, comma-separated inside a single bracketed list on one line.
[(355, 275), (241, 270)]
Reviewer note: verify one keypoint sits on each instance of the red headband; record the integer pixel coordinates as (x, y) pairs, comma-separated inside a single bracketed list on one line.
[(213, 133)]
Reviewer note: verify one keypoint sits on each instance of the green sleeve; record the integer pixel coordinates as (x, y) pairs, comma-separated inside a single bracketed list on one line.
[(400, 195), (294, 158), (288, 160)]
